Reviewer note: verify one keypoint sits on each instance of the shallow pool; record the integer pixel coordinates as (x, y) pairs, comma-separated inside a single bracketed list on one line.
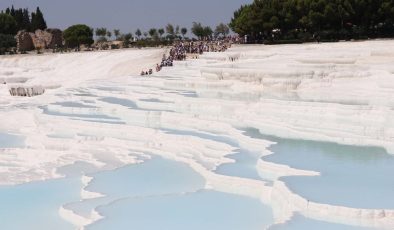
[(120, 101), (157, 176), (195, 211), (11, 141), (244, 166), (245, 161), (73, 104), (36, 205), (351, 176), (300, 222)]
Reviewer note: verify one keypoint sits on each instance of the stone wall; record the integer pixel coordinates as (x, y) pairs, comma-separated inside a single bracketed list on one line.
[(24, 41), (57, 38), (40, 39)]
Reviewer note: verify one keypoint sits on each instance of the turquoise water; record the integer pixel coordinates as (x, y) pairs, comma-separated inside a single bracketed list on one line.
[(351, 176), (157, 176), (196, 211), (11, 141), (35, 206), (299, 222), (72, 104), (120, 101), (245, 161), (244, 166), (128, 104)]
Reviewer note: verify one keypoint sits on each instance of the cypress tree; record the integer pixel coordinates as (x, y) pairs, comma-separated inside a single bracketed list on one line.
[(26, 20), (12, 12), (41, 21), (19, 19), (37, 20), (33, 22)]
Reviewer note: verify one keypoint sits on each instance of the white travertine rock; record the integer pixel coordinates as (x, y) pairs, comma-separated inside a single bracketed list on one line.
[(338, 92)]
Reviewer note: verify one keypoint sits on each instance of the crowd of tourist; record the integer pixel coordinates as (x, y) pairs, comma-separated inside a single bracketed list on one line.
[(180, 51)]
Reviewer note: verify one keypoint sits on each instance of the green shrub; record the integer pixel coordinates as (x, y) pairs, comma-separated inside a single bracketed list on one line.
[(77, 35), (6, 42)]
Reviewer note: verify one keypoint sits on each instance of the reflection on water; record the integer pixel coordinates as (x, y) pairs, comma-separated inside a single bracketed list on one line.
[(351, 176)]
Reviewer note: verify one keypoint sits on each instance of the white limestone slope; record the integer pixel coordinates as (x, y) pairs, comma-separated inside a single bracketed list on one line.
[(70, 69), (341, 92)]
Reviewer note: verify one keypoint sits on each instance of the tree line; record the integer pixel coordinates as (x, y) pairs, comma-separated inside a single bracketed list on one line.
[(307, 19), (82, 34), (169, 32), (24, 20), (12, 20)]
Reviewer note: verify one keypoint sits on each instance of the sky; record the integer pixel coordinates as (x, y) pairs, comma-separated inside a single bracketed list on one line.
[(128, 15)]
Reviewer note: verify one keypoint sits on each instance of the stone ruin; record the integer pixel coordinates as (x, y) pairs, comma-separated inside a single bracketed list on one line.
[(40, 39), (57, 38), (24, 41)]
